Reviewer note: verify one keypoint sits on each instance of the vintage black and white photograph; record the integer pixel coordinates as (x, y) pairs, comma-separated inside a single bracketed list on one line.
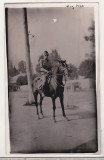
[(52, 74)]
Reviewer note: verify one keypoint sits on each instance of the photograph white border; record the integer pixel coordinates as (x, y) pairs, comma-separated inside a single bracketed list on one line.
[(3, 85)]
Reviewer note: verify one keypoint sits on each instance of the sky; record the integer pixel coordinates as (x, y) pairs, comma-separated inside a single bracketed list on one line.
[(54, 28)]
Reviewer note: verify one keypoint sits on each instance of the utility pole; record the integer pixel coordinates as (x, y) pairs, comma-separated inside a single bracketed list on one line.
[(28, 62)]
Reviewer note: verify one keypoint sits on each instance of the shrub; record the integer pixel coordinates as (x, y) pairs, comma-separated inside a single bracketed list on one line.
[(22, 80)]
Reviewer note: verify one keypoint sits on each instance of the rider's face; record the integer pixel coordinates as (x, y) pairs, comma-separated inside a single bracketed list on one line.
[(45, 56)]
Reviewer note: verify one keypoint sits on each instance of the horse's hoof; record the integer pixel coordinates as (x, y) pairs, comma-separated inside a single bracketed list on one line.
[(67, 119), (54, 120), (42, 114)]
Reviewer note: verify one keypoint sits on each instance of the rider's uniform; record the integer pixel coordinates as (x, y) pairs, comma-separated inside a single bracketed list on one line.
[(44, 64)]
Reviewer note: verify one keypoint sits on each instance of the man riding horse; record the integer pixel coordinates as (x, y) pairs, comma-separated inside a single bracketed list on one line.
[(50, 82)]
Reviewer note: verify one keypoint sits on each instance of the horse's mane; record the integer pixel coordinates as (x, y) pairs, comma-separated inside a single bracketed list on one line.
[(55, 68)]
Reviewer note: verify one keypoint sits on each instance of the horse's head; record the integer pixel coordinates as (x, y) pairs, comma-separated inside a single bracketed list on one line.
[(63, 67)]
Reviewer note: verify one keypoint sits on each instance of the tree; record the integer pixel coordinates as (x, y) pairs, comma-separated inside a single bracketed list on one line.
[(91, 38), (12, 70), (22, 66), (72, 71), (22, 80), (54, 56), (15, 71), (87, 68)]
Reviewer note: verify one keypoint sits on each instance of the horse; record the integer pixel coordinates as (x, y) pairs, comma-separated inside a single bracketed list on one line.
[(53, 87)]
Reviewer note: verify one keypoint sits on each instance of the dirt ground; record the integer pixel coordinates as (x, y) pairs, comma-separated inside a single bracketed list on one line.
[(30, 135)]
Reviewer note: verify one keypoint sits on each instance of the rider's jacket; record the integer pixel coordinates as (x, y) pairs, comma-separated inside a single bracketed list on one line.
[(45, 64)]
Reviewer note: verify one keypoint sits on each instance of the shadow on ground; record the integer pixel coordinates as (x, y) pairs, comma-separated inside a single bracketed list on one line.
[(88, 147)]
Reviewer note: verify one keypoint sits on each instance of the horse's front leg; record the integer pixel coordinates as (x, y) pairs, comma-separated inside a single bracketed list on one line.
[(54, 108), (62, 105), (36, 102)]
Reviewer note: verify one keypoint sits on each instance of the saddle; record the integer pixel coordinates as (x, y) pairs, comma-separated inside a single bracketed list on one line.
[(37, 83)]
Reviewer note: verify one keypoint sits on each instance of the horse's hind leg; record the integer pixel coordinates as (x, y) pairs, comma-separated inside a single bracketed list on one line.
[(36, 102), (41, 99), (54, 108), (62, 105)]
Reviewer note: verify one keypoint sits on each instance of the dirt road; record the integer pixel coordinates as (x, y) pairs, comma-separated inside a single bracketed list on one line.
[(30, 135)]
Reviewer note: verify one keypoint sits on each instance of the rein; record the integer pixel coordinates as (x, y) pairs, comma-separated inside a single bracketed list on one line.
[(57, 81)]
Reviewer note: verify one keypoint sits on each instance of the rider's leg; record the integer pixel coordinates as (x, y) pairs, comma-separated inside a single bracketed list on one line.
[(43, 77)]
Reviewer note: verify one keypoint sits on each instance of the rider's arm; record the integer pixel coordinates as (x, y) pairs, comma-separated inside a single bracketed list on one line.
[(41, 67), (44, 70)]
